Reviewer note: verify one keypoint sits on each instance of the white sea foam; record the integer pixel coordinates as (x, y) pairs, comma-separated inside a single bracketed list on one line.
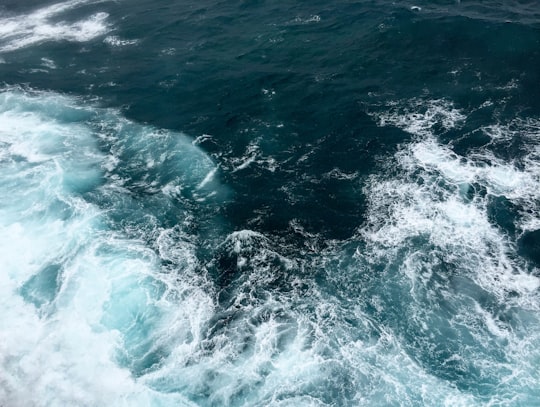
[(254, 156), (115, 41), (419, 117), (48, 63), (283, 345), (428, 197), (429, 227), (105, 312), (86, 307), (41, 26), (306, 20)]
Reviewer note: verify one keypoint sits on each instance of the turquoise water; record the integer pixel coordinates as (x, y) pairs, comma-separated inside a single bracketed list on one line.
[(251, 203)]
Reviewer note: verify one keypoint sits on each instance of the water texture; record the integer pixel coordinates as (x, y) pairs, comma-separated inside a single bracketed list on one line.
[(255, 203)]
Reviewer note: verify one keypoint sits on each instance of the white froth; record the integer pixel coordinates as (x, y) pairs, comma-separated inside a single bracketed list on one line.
[(500, 178), (116, 305), (55, 356), (48, 63), (73, 337), (428, 217), (36, 27), (418, 117), (428, 198), (254, 155), (115, 41), (208, 178), (307, 20)]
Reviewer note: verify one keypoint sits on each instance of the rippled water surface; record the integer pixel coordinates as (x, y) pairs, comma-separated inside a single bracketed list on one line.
[(257, 203)]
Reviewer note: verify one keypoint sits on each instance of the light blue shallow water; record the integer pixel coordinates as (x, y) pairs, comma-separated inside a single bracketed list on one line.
[(255, 204)]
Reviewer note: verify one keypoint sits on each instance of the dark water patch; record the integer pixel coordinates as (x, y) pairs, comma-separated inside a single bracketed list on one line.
[(503, 213), (529, 246), (42, 288)]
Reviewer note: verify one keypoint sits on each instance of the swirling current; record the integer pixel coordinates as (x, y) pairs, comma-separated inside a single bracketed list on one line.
[(256, 203)]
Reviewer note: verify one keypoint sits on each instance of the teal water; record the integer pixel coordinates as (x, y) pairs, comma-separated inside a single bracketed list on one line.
[(251, 203)]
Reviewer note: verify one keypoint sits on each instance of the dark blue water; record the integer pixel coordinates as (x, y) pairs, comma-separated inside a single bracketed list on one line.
[(255, 203)]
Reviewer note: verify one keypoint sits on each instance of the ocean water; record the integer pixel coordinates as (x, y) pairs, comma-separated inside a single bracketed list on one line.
[(269, 203)]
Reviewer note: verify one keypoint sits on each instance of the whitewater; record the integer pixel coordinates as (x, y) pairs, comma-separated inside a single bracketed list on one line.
[(209, 204)]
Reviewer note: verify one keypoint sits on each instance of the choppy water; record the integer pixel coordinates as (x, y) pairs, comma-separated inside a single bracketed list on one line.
[(255, 203)]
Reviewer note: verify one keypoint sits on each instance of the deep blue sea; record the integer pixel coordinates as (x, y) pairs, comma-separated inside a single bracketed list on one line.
[(269, 203)]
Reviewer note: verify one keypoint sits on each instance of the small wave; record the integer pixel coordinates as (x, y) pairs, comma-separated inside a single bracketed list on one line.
[(307, 20), (115, 41), (254, 156), (37, 27), (48, 63)]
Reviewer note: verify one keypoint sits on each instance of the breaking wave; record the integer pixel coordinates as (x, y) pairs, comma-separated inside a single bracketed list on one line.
[(122, 285), (44, 24)]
